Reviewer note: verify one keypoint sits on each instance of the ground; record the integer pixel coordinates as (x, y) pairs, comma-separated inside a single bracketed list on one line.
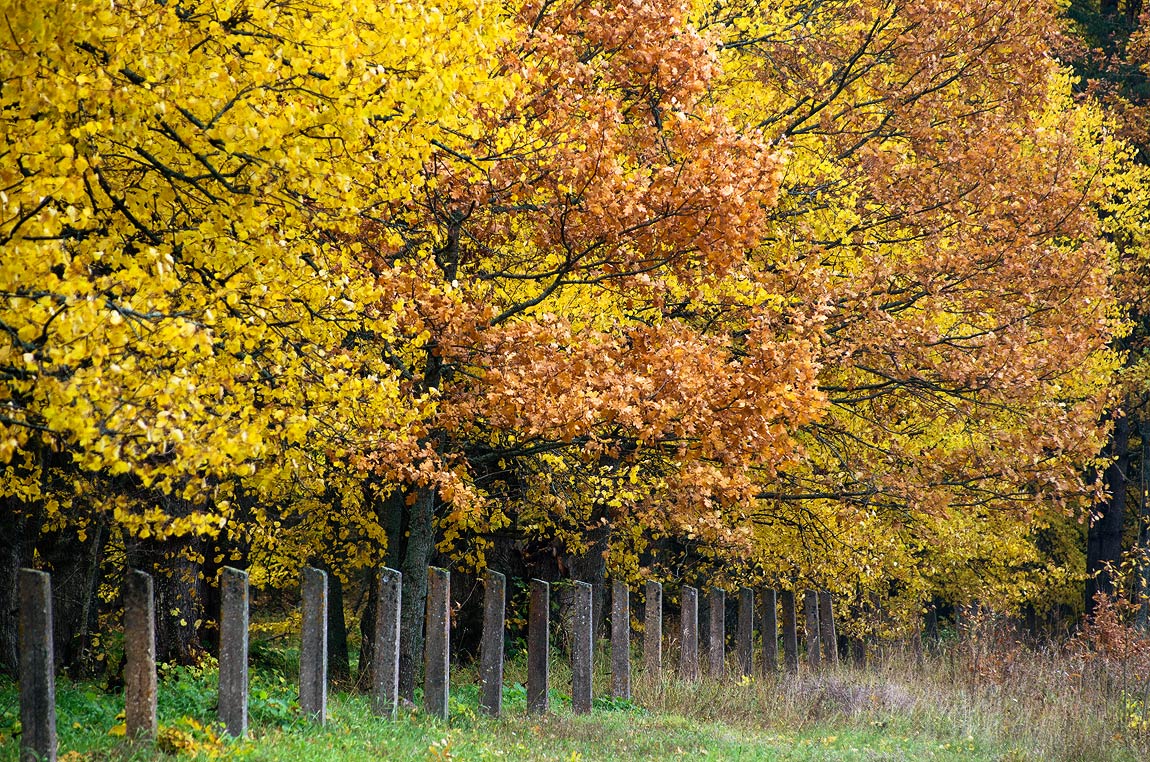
[(890, 711)]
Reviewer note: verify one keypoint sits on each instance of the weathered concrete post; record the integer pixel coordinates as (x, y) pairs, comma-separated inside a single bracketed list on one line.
[(827, 633), (37, 668), (746, 633), (620, 640), (717, 642), (437, 644), (491, 644), (234, 613), (790, 631), (811, 627), (538, 646), (653, 631), (689, 633), (139, 656), (770, 633), (313, 646), (582, 647), (385, 669)]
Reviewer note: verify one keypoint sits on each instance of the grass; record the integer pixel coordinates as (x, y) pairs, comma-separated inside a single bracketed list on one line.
[(616, 730), (1005, 703)]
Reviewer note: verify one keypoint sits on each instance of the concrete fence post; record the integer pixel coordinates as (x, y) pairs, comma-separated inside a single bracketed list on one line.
[(827, 633), (385, 669), (582, 647), (811, 628), (620, 640), (770, 633), (234, 617), (538, 647), (313, 646), (653, 631), (491, 644), (745, 636), (37, 668), (689, 634), (437, 644), (139, 656), (790, 631), (717, 640)]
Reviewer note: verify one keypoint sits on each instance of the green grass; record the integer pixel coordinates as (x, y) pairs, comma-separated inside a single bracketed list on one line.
[(615, 735), (616, 730), (890, 712)]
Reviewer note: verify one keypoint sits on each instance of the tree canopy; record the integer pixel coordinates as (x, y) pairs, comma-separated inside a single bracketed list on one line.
[(804, 293)]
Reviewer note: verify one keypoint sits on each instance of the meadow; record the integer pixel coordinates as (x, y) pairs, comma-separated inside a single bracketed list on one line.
[(988, 697)]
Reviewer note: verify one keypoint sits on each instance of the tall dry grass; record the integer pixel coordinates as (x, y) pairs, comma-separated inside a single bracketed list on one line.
[(1084, 700)]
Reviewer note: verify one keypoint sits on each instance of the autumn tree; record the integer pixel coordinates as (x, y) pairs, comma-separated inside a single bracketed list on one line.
[(1107, 48), (710, 287), (562, 254), (289, 281), (945, 189), (182, 315)]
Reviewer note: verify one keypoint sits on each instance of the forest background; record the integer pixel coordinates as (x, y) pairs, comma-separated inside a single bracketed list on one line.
[(839, 295)]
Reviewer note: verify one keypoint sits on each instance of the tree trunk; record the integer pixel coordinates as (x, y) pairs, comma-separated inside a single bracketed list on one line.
[(931, 626), (75, 567), (338, 661), (1142, 581), (367, 633), (589, 566), (180, 587), (419, 517), (1104, 538), (209, 630), (180, 598), (228, 549), (416, 560), (13, 526)]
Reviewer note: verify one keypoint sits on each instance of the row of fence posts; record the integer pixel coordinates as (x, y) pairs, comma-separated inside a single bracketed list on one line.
[(37, 688)]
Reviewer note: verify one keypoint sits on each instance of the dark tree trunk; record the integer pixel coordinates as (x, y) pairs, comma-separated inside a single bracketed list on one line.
[(416, 560), (338, 662), (467, 597), (367, 633), (180, 588), (209, 629), (13, 524), (180, 595), (75, 566), (1142, 580), (229, 549), (419, 504), (930, 627), (1104, 538)]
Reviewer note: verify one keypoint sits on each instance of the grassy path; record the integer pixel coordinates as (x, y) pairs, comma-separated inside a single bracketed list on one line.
[(609, 735)]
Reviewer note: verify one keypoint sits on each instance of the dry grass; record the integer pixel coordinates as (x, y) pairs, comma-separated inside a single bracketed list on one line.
[(1086, 700)]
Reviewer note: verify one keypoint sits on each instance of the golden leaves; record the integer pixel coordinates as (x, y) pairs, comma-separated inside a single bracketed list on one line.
[(273, 249)]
